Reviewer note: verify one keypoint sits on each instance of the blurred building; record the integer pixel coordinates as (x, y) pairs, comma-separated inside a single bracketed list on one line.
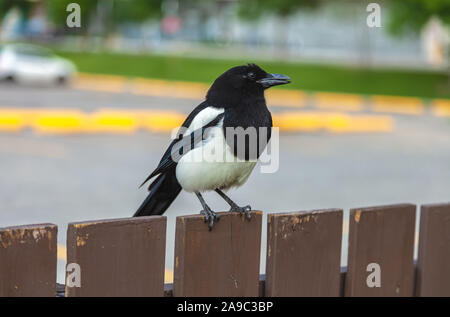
[(335, 32)]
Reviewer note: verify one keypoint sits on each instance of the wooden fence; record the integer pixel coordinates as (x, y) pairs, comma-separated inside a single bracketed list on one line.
[(126, 257)]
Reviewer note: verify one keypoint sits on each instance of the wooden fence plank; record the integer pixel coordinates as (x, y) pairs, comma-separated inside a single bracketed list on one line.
[(383, 235), (304, 253), (221, 262), (119, 257), (433, 265), (28, 260)]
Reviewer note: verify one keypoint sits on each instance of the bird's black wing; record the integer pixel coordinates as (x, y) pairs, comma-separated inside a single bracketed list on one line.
[(183, 143)]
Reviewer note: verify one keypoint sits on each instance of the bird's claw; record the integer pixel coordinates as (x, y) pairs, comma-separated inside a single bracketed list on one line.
[(210, 216), (242, 210)]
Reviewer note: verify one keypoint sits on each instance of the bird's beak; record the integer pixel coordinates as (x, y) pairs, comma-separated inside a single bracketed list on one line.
[(274, 80)]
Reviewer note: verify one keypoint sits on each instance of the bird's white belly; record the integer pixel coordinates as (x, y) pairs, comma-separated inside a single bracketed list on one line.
[(211, 165)]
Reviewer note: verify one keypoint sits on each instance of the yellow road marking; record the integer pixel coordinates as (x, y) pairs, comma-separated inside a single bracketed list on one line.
[(338, 101), (402, 105), (161, 121), (113, 121), (175, 89), (58, 121), (189, 90), (297, 121), (332, 122), (441, 107), (67, 121), (11, 120), (339, 123), (152, 87), (287, 98), (107, 83), (172, 89)]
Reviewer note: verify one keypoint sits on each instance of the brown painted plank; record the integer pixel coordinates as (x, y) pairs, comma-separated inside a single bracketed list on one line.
[(382, 235), (221, 262), (28, 260), (433, 265), (304, 253), (119, 257)]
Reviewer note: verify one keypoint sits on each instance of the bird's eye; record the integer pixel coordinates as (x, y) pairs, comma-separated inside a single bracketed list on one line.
[(251, 75)]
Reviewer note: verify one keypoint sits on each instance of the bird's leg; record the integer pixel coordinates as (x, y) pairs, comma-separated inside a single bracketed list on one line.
[(210, 216), (234, 206)]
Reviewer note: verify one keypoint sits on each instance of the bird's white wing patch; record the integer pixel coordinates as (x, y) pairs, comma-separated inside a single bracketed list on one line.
[(208, 165), (212, 164), (203, 118)]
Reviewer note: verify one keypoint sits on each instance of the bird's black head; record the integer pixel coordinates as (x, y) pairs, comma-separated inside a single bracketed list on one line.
[(243, 81)]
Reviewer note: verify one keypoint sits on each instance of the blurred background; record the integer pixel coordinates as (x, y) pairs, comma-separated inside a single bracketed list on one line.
[(90, 93)]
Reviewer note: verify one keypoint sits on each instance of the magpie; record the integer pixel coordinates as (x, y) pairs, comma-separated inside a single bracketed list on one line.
[(234, 102)]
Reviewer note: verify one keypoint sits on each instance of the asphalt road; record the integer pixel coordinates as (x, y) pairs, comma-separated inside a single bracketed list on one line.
[(62, 179)]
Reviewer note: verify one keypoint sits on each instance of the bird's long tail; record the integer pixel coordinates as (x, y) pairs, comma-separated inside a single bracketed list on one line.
[(162, 192)]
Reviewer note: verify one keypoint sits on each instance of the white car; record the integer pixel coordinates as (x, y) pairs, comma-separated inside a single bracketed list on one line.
[(25, 63)]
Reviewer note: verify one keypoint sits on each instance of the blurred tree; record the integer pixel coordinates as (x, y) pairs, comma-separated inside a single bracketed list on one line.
[(109, 12), (412, 15), (253, 9), (136, 10), (23, 5)]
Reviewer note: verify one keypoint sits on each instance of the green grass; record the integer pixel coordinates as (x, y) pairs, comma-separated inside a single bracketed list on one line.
[(304, 76)]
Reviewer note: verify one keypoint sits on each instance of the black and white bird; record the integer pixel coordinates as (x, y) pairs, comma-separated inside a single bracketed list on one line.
[(194, 160)]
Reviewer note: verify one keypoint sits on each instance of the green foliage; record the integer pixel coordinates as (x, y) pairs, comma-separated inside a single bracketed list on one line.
[(136, 10), (411, 15), (253, 9)]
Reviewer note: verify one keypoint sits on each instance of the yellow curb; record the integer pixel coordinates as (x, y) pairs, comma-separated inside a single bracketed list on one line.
[(67, 121), (332, 122), (347, 124), (441, 107), (106, 83), (175, 89), (189, 90), (58, 121), (297, 121), (112, 121), (286, 98), (101, 77), (172, 89), (161, 121), (11, 120), (338, 101), (151, 87), (402, 105)]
